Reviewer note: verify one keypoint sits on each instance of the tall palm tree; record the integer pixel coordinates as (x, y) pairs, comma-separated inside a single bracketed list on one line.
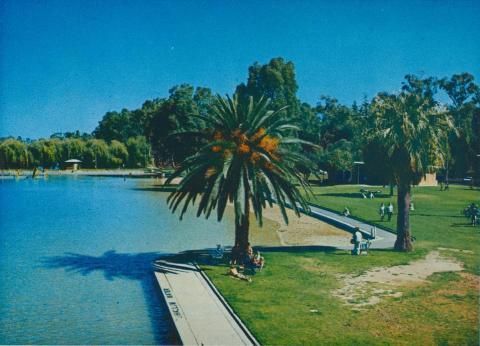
[(412, 129), (248, 159)]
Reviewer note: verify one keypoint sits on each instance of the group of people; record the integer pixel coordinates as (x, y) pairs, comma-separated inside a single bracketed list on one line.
[(472, 212), (383, 210), (252, 260), (368, 194), (386, 210)]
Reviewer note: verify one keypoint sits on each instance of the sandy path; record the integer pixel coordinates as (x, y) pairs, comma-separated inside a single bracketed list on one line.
[(306, 230)]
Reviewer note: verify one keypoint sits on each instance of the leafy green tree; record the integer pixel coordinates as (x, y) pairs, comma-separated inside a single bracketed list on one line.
[(248, 159), (139, 152), (337, 160), (309, 130), (97, 154), (73, 148), (411, 128), (118, 153), (112, 126), (174, 115), (373, 153), (121, 126), (309, 124), (275, 80), (14, 154), (69, 135), (45, 153), (464, 94), (338, 121), (341, 136)]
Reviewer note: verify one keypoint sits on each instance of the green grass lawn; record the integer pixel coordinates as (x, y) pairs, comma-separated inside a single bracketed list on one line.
[(277, 304), (436, 221)]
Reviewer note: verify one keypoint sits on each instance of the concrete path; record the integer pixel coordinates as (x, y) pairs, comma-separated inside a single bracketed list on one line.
[(383, 239), (199, 312)]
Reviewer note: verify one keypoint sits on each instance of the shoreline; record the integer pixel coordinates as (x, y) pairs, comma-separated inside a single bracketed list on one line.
[(303, 230), (114, 172)]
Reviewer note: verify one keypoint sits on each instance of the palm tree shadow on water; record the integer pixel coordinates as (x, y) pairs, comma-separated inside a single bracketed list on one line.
[(124, 266)]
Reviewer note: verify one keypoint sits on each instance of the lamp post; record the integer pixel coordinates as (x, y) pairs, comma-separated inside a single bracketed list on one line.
[(446, 174), (358, 163), (478, 173)]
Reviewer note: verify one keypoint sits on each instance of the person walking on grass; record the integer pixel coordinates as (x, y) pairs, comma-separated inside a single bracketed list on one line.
[(381, 211), (390, 211)]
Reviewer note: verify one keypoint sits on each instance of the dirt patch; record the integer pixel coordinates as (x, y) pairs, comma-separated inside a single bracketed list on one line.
[(306, 230), (370, 287), (454, 250)]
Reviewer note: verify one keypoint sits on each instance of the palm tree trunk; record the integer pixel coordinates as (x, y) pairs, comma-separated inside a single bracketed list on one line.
[(242, 228), (403, 242)]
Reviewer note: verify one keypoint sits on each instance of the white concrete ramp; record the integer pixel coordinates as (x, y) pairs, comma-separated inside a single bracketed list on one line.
[(199, 312)]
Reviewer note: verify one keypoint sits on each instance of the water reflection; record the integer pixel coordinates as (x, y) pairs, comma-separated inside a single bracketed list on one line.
[(124, 266)]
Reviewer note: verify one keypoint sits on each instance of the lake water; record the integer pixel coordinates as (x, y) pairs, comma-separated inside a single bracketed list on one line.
[(75, 256)]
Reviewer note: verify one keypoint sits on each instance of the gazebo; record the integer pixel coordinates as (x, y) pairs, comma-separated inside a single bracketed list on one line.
[(74, 163)]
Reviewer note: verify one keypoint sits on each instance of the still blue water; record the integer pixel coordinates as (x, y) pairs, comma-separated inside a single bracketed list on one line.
[(75, 257)]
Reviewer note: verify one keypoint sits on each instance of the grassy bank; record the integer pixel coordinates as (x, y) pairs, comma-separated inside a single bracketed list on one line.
[(291, 301), (436, 221)]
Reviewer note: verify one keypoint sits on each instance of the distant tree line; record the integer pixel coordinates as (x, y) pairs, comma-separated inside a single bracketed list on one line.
[(344, 133), (93, 152)]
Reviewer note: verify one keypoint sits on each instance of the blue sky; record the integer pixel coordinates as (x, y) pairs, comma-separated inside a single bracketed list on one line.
[(63, 64)]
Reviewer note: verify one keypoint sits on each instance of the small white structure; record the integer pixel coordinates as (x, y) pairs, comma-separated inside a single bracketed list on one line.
[(74, 163)]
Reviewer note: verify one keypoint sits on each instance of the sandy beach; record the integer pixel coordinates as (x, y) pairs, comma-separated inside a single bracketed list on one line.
[(305, 230)]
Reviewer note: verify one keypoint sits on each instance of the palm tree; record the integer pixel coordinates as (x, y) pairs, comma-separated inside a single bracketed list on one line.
[(248, 159), (412, 128)]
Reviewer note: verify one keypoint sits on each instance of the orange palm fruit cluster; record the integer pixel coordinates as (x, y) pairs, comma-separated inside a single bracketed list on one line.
[(243, 148), (258, 134), (269, 143), (255, 157), (239, 136)]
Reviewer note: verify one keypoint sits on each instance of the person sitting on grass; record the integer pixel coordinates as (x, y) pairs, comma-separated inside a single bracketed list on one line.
[(258, 261), (346, 212), (233, 271), (219, 251), (253, 261), (248, 255)]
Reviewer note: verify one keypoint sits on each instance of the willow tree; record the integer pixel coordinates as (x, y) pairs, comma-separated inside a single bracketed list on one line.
[(248, 159), (412, 129)]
